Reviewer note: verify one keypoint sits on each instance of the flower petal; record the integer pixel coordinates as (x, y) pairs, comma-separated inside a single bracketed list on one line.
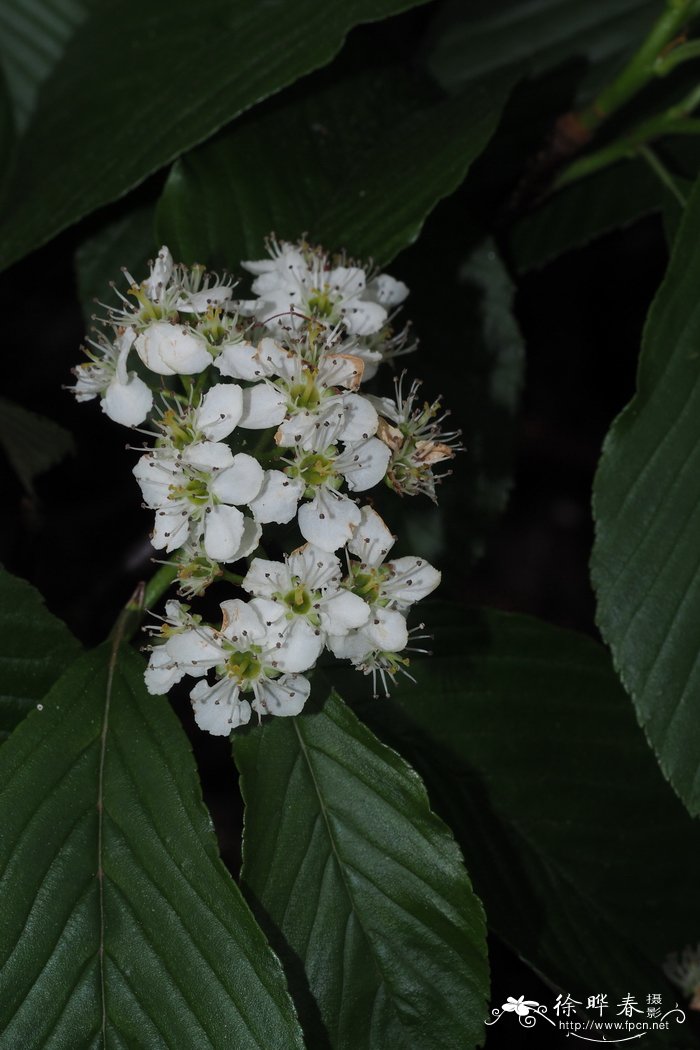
[(277, 499), (197, 650), (362, 317), (162, 673), (208, 455), (298, 647), (218, 709), (223, 531), (250, 538), (270, 612), (128, 403), (172, 349), (155, 474), (353, 646), (263, 406), (386, 630), (364, 464), (219, 411), (360, 418), (315, 568), (265, 578), (170, 530), (276, 361), (313, 430), (387, 290), (241, 623), (372, 540), (340, 370), (412, 579), (239, 483), (285, 696), (342, 612), (239, 360), (329, 520)]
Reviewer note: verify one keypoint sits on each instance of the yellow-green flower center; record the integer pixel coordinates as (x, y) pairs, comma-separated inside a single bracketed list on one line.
[(320, 302), (244, 667)]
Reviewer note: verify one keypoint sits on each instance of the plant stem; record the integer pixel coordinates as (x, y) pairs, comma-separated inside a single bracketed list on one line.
[(232, 577), (158, 585), (625, 148), (144, 598), (643, 66), (674, 121)]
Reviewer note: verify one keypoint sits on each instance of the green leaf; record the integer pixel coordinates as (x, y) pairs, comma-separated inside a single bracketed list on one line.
[(610, 199), (31, 442), (168, 76), (580, 213), (128, 241), (470, 41), (586, 862), (35, 650), (120, 925), (325, 162), (33, 36), (362, 885), (645, 565)]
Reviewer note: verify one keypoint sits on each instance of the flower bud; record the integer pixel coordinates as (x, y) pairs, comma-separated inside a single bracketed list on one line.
[(172, 349)]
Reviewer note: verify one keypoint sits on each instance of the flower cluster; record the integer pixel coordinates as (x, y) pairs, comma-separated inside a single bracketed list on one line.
[(206, 370)]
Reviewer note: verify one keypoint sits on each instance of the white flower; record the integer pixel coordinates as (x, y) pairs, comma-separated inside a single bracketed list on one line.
[(170, 290), (200, 291), (196, 493), (171, 660), (172, 349), (398, 584), (252, 659), (329, 519), (123, 396), (389, 588), (384, 665), (305, 591), (301, 394), (299, 281)]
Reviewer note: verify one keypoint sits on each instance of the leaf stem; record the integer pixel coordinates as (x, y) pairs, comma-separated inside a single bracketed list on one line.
[(664, 175), (667, 62), (674, 121), (158, 585)]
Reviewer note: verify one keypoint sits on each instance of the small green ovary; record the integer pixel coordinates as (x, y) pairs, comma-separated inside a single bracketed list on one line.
[(148, 311), (195, 491), (299, 600), (368, 583), (179, 430), (315, 469), (305, 394), (244, 667), (214, 327), (320, 302)]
